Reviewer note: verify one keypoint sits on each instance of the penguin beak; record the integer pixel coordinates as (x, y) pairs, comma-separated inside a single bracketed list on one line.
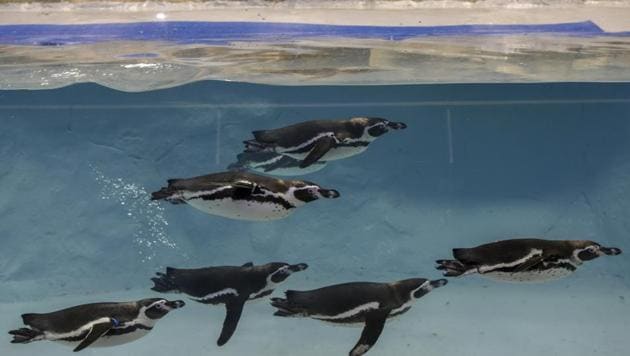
[(298, 267), (438, 283), (175, 304), (610, 251), (397, 125), (329, 193)]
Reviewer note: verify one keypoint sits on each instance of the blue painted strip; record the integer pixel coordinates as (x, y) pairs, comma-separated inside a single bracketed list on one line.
[(225, 32)]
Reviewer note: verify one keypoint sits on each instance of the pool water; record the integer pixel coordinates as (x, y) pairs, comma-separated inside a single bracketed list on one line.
[(477, 163)]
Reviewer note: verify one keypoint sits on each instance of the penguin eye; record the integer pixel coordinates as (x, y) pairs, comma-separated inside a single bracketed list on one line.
[(377, 130)]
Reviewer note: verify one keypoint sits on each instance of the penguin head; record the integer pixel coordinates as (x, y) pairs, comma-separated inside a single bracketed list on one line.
[(306, 192), (376, 126), (279, 271), (156, 308), (415, 288), (585, 250)]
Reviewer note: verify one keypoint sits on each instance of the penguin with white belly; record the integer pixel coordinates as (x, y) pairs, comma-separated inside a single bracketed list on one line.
[(370, 304), (524, 260), (228, 285), (97, 324), (322, 140), (243, 195)]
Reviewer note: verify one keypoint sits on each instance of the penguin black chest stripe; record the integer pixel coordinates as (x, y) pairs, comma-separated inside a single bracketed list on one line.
[(398, 312), (541, 267), (355, 144), (128, 329), (112, 332), (228, 193)]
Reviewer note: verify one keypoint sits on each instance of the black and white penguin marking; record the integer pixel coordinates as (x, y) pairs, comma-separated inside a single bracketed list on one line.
[(524, 260), (243, 195), (365, 303), (273, 163), (95, 325), (228, 285), (322, 140)]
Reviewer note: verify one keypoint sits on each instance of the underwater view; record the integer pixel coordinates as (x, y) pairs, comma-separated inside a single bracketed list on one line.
[(332, 177), (209, 201)]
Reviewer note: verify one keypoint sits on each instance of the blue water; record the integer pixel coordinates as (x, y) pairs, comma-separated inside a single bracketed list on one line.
[(477, 163)]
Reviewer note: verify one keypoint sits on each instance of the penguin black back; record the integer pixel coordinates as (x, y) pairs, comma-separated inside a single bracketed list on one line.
[(69, 319), (333, 300), (303, 131)]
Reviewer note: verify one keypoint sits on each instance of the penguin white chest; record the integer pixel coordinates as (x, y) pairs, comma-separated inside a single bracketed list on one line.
[(242, 209), (107, 341), (341, 152), (532, 276)]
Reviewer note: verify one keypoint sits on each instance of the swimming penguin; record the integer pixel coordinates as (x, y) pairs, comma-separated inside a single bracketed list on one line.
[(228, 285), (365, 303), (524, 260), (273, 163), (96, 325), (243, 195), (322, 140)]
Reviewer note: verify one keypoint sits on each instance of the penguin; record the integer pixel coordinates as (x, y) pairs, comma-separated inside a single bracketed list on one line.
[(228, 285), (524, 260), (273, 163), (95, 325), (370, 304), (322, 140), (243, 195)]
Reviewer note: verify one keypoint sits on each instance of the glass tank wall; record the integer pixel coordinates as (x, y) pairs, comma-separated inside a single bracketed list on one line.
[(476, 164)]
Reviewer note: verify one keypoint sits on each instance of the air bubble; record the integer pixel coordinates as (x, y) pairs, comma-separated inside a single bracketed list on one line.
[(151, 236)]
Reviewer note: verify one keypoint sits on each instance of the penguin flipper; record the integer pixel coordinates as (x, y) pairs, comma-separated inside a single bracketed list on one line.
[(322, 146), (374, 324), (528, 264), (97, 330), (233, 311), (245, 188)]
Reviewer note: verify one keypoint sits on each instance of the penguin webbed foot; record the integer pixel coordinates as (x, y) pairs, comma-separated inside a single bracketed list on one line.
[(166, 194), (163, 283), (255, 146), (451, 268), (286, 309), (24, 335)]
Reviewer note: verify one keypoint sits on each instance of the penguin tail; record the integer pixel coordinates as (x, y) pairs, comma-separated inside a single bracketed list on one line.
[(25, 335), (167, 193), (164, 282), (287, 306), (256, 146), (451, 268)]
